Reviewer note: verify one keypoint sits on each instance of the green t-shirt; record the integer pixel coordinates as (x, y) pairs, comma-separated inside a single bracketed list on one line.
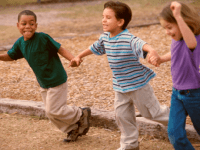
[(41, 53)]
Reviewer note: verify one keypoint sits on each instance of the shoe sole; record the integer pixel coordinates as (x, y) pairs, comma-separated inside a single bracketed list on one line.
[(67, 141)]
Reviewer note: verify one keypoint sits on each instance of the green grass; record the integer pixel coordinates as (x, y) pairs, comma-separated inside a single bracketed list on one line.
[(15, 2), (7, 33), (82, 11), (77, 12), (144, 3), (81, 18)]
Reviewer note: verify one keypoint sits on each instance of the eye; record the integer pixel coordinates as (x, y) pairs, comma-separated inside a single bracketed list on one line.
[(108, 17)]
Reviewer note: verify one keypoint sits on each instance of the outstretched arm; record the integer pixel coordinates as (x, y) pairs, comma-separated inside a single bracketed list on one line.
[(78, 59), (66, 54), (5, 57), (186, 32), (164, 58), (152, 57)]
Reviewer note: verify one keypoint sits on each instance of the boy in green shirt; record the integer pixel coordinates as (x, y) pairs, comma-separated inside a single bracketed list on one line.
[(41, 53)]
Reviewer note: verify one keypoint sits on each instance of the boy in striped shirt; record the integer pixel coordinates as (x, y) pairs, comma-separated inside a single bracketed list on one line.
[(130, 77)]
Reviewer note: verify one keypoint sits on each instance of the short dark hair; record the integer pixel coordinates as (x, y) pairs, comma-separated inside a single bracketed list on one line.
[(27, 12), (122, 11)]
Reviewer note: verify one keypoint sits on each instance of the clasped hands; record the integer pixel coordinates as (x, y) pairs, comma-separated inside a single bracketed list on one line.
[(152, 58), (75, 62)]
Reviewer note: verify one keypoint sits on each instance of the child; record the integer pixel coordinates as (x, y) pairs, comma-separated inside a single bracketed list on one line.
[(183, 25), (130, 77), (41, 52)]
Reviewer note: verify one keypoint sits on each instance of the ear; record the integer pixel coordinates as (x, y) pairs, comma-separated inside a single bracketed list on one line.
[(18, 25), (121, 22), (36, 25)]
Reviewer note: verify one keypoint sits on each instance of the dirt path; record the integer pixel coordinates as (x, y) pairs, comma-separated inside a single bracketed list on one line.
[(89, 85), (30, 133)]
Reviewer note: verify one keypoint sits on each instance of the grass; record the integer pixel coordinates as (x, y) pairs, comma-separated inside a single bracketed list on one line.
[(5, 3), (8, 33), (15, 129), (78, 18), (78, 12)]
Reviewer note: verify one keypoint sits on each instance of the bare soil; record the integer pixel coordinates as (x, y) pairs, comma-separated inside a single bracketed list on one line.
[(89, 85)]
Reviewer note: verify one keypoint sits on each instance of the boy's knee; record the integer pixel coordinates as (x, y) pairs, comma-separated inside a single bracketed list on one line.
[(50, 113), (119, 116)]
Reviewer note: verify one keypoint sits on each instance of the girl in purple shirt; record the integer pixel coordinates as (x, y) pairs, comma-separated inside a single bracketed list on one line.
[(183, 24)]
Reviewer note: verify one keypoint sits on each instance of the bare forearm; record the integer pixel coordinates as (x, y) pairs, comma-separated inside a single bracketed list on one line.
[(65, 53), (187, 33), (85, 53), (147, 48), (166, 57), (5, 57)]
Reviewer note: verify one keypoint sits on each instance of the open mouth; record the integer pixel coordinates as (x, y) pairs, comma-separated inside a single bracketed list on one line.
[(27, 33)]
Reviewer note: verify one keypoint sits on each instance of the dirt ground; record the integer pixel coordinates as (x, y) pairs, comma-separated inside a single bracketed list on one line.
[(89, 85)]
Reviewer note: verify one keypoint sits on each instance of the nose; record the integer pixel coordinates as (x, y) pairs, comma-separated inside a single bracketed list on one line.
[(103, 20), (27, 25), (167, 32)]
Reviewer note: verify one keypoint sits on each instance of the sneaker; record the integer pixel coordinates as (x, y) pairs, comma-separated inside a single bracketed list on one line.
[(137, 148), (83, 126), (83, 123), (72, 136)]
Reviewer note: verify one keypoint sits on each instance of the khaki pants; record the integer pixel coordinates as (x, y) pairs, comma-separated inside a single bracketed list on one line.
[(149, 107), (62, 116)]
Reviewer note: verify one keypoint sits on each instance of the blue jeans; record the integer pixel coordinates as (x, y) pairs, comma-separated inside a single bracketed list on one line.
[(183, 103)]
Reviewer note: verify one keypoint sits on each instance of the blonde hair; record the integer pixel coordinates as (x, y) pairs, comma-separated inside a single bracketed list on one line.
[(190, 16)]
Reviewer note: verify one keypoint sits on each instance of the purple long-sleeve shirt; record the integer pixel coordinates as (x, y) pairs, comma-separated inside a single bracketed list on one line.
[(185, 65)]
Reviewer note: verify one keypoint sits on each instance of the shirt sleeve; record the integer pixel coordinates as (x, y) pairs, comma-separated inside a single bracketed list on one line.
[(98, 47), (51, 43), (137, 47), (15, 52)]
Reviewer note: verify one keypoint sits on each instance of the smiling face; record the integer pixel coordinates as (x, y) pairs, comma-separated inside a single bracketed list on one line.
[(172, 29), (111, 23), (27, 26)]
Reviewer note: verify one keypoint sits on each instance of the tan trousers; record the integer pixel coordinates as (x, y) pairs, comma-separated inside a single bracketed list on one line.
[(149, 107), (64, 117)]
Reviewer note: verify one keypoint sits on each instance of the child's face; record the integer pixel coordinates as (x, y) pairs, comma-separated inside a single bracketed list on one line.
[(172, 29), (27, 26), (110, 22)]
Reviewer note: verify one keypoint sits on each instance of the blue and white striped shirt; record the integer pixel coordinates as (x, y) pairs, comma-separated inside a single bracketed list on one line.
[(123, 52)]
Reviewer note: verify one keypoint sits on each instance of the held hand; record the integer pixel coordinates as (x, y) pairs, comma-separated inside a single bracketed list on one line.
[(176, 9), (154, 59), (75, 62)]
